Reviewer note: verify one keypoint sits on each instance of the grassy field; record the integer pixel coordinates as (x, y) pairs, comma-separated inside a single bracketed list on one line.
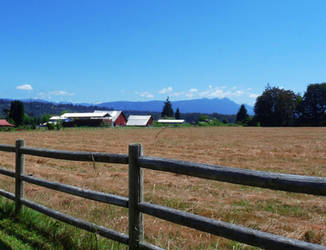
[(285, 150), (32, 230)]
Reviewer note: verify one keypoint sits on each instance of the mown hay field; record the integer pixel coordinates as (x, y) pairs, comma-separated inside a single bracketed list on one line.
[(285, 150)]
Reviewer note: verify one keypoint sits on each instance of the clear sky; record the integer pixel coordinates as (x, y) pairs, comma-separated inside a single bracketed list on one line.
[(97, 51)]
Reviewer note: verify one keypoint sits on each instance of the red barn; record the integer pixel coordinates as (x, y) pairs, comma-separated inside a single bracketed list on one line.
[(5, 124), (118, 117)]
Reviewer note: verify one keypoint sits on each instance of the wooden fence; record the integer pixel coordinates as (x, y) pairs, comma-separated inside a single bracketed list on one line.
[(137, 206)]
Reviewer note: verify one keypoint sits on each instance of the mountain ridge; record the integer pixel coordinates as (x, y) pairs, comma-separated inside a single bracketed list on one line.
[(204, 105)]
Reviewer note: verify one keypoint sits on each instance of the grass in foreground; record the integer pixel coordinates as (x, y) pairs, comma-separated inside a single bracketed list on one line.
[(284, 150), (32, 230)]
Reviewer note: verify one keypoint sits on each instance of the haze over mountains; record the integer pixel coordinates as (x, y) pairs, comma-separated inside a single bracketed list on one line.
[(206, 106)]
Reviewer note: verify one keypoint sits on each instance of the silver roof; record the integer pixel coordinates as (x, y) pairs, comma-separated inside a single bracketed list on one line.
[(171, 121), (138, 120)]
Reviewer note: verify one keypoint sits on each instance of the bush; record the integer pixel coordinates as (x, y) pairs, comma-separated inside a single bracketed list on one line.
[(203, 124), (50, 126), (58, 125)]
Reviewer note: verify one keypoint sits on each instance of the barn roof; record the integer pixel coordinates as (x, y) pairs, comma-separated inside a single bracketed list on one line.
[(138, 120), (171, 121), (85, 115), (54, 118), (4, 123), (113, 113)]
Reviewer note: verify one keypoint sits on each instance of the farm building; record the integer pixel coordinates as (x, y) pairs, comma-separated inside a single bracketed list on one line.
[(86, 116), (54, 119), (140, 120), (118, 117), (5, 124), (167, 122), (83, 119)]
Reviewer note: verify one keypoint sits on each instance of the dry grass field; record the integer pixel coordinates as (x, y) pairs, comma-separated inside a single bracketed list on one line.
[(285, 150)]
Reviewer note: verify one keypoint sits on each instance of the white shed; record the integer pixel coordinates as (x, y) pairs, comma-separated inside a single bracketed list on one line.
[(140, 120), (163, 121)]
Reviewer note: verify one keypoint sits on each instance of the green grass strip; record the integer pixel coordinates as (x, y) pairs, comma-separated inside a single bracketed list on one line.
[(33, 230)]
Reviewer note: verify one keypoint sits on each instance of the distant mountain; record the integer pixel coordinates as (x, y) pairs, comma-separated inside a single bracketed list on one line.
[(41, 107), (34, 100), (208, 106), (190, 109)]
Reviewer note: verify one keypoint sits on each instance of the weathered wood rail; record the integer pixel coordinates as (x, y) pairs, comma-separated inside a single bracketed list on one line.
[(135, 202)]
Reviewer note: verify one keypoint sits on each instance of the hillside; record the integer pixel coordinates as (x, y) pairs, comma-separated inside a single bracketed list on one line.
[(39, 108), (190, 110), (204, 105)]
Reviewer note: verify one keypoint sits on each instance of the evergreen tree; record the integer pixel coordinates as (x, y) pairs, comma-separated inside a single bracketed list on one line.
[(177, 114), (242, 114), (167, 109), (17, 112), (314, 104), (276, 107)]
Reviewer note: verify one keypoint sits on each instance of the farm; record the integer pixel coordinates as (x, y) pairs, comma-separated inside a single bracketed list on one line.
[(284, 150)]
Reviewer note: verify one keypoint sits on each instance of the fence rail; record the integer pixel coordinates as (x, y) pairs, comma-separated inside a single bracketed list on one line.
[(135, 202), (75, 156), (276, 181)]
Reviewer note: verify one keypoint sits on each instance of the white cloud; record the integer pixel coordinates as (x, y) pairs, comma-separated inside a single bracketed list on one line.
[(222, 92), (193, 90), (166, 90), (214, 92), (145, 94), (24, 87), (254, 96), (191, 93), (238, 93), (54, 94), (177, 93), (61, 93)]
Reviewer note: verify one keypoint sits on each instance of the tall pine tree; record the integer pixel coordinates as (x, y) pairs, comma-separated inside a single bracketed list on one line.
[(17, 112), (167, 109), (177, 114), (242, 114)]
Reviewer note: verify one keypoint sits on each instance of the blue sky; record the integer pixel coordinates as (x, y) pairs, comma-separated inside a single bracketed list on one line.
[(98, 51)]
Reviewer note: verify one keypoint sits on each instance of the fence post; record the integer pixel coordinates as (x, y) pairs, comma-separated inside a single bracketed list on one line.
[(19, 184), (136, 195)]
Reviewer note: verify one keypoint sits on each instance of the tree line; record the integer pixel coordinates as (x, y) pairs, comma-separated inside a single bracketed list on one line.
[(32, 114), (280, 107)]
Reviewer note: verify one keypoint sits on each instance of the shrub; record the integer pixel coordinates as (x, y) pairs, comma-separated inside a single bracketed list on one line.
[(50, 126), (58, 125)]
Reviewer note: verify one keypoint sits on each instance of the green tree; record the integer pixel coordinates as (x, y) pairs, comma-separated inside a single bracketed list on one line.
[(286, 107), (314, 104), (16, 113), (203, 118), (167, 109), (6, 112), (242, 115), (45, 118), (177, 114), (276, 107), (63, 112)]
